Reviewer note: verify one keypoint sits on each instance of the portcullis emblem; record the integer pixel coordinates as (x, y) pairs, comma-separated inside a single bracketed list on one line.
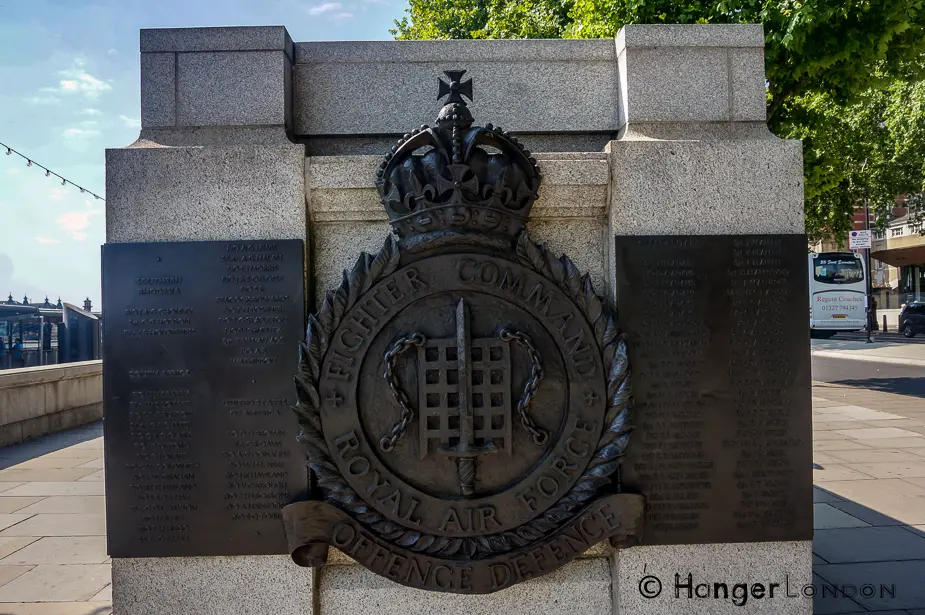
[(463, 394)]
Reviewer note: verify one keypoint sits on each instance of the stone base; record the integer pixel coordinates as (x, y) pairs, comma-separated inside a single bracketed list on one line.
[(645, 578), (584, 586), (254, 584), (621, 583)]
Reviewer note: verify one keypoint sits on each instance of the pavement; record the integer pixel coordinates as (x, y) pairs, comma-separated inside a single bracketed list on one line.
[(53, 526), (869, 504), (869, 500), (885, 348)]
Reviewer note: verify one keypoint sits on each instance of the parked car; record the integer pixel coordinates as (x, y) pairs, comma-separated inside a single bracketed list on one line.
[(912, 318)]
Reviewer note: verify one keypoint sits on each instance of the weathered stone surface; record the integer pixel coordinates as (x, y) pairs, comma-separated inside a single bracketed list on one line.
[(158, 90), (706, 187), (749, 102), (211, 586), (530, 86), (231, 88), (678, 84), (240, 38), (690, 35), (186, 194), (784, 563), (580, 587), (691, 73)]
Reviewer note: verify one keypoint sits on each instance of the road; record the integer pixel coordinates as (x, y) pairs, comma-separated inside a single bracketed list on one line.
[(886, 377)]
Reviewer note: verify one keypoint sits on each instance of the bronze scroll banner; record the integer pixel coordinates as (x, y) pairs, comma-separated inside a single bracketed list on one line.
[(313, 525)]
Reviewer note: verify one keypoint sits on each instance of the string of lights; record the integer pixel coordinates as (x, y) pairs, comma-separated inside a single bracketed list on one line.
[(48, 172)]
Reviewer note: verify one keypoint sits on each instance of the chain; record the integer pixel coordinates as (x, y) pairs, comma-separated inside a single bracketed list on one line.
[(401, 346), (540, 436)]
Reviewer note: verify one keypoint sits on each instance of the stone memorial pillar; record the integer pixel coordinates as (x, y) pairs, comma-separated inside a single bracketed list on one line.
[(250, 139)]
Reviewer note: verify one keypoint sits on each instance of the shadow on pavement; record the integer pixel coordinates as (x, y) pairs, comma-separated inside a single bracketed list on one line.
[(863, 559), (18, 453), (914, 387)]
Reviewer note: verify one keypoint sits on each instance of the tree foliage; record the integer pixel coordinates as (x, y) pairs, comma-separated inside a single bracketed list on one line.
[(843, 75)]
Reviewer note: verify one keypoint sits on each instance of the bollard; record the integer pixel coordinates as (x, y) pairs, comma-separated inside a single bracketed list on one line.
[(884, 324)]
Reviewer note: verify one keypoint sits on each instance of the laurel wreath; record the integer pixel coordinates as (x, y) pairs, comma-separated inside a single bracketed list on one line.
[(611, 446)]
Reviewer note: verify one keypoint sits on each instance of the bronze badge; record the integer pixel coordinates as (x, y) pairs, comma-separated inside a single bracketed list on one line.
[(463, 395)]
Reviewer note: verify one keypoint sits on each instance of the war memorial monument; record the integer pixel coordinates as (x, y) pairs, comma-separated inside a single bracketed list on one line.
[(367, 351)]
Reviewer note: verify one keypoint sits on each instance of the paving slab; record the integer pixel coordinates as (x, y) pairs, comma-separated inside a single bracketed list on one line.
[(868, 544), (59, 525), (876, 433), (60, 550), (860, 413), (105, 595), (820, 458), (43, 475), (868, 515), (14, 543), (11, 519), (825, 436), (8, 573), (904, 578), (901, 443), (874, 456), (832, 472), (826, 517), (14, 503), (75, 488), (835, 409), (76, 453), (99, 475), (47, 463), (894, 497), (67, 504), (825, 424), (5, 486), (822, 495), (893, 469), (917, 481), (839, 445), (57, 583), (94, 463), (829, 604)]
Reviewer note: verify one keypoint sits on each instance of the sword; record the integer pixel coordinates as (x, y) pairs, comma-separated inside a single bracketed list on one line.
[(465, 452)]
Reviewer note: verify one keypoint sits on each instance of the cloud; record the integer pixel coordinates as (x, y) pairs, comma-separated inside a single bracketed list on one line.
[(76, 80), (75, 223), (131, 122), (341, 16), (47, 240), (79, 134), (91, 112), (42, 100), (13, 171), (321, 9), (57, 194), (112, 52)]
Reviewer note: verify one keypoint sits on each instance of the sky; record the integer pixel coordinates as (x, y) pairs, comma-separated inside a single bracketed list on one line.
[(69, 89)]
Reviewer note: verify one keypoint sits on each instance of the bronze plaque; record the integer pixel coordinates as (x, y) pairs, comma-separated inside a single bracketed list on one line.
[(463, 394), (200, 442), (722, 415)]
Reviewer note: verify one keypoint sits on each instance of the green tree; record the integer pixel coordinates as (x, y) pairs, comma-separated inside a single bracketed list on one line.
[(837, 72)]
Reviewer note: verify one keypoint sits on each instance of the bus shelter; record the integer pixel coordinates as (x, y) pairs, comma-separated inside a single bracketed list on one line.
[(24, 338)]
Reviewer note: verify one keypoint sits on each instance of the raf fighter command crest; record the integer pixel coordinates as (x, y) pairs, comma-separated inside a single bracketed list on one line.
[(463, 395)]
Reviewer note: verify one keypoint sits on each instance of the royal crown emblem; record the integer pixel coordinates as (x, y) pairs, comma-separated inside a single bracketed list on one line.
[(463, 394), (456, 184)]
